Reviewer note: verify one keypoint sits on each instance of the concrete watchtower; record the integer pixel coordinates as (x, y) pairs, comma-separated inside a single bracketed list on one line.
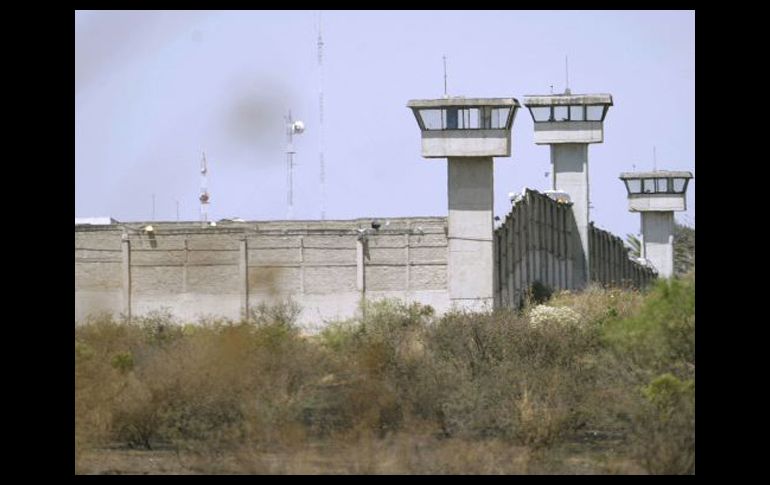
[(469, 132), (568, 123), (657, 195)]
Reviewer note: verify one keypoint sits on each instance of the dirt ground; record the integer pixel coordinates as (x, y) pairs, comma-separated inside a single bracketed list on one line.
[(588, 453)]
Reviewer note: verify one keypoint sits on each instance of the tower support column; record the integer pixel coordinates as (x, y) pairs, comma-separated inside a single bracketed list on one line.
[(658, 241), (570, 175), (471, 230)]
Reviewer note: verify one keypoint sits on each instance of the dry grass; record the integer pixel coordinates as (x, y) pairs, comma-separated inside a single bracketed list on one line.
[(395, 391)]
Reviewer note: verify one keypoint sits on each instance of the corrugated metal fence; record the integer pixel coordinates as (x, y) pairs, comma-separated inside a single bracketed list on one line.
[(536, 242), (610, 264)]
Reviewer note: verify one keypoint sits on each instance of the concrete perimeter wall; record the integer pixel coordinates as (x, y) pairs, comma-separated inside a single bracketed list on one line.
[(324, 266)]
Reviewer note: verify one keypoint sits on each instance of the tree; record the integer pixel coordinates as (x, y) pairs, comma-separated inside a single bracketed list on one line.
[(684, 249), (635, 246)]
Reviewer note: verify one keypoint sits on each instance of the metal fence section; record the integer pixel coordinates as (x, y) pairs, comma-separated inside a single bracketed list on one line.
[(611, 264), (536, 244)]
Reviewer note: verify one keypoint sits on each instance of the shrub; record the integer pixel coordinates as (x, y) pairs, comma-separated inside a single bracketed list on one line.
[(613, 360), (665, 426), (655, 349), (377, 359), (661, 336), (538, 293), (281, 314), (495, 375), (337, 336), (542, 314), (155, 381), (684, 249), (597, 306), (160, 327), (123, 362)]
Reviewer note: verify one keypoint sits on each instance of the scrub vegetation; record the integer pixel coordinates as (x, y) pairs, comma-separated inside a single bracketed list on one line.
[(600, 381)]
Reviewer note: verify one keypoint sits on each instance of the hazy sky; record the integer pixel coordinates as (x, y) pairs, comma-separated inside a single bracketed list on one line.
[(154, 89)]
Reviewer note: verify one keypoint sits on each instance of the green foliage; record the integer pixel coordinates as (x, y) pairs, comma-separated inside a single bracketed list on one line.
[(661, 337), (634, 246), (159, 327), (538, 293), (281, 314), (655, 348), (684, 249), (664, 426), (83, 351), (123, 362), (666, 391), (338, 335)]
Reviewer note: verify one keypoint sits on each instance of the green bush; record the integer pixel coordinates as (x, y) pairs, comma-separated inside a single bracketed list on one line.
[(538, 293), (684, 249), (281, 314), (661, 336), (654, 351), (123, 362), (664, 426)]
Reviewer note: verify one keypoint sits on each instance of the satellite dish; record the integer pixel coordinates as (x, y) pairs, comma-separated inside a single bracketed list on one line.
[(298, 127)]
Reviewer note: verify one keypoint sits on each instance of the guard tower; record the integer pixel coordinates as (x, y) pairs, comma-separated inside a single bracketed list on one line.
[(568, 123), (656, 195), (469, 132)]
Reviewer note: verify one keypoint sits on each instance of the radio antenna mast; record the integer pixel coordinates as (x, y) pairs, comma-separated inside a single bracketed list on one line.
[(322, 167), (292, 128), (204, 197), (445, 91)]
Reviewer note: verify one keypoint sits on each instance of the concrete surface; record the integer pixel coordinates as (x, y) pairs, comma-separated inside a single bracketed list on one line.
[(570, 175), (569, 132), (321, 265), (657, 202), (658, 241), (466, 143), (471, 227)]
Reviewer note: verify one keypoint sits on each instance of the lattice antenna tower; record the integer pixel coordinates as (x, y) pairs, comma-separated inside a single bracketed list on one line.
[(321, 162), (445, 91), (292, 128), (204, 197)]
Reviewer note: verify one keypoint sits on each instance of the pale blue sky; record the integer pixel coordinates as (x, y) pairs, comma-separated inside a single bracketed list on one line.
[(154, 89)]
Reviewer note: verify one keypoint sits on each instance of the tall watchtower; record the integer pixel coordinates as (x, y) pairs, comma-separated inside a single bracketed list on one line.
[(468, 132), (568, 123), (656, 195)]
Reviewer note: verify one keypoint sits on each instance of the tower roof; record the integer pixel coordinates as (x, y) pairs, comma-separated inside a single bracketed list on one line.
[(459, 101), (655, 174), (566, 99)]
